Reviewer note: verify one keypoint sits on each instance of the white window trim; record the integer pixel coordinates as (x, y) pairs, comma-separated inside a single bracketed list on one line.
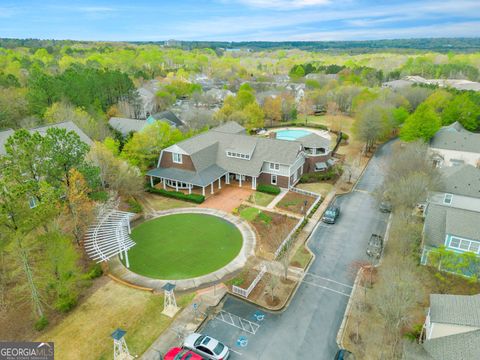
[(449, 197), (272, 181), (274, 166), (462, 239), (32, 202), (179, 159)]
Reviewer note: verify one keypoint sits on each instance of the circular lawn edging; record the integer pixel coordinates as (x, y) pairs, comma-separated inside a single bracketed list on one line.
[(183, 246)]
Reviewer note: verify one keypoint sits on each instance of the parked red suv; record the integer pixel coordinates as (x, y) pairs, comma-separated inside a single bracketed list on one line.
[(181, 354)]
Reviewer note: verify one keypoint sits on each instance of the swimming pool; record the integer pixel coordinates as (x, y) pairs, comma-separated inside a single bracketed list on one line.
[(291, 134)]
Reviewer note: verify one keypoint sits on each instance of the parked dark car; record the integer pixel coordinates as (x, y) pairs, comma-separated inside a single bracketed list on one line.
[(375, 246), (385, 206), (331, 214), (343, 354)]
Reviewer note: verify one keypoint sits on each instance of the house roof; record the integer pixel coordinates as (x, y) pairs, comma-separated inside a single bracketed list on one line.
[(455, 309), (200, 178), (314, 141), (435, 225), (461, 180), (463, 346), (169, 117), (232, 137), (67, 125), (126, 126), (456, 137)]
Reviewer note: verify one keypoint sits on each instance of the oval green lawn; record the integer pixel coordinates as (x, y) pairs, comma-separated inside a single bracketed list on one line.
[(183, 246)]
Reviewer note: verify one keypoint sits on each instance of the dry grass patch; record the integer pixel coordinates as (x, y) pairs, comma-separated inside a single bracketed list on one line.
[(301, 258), (85, 332), (295, 202), (322, 188)]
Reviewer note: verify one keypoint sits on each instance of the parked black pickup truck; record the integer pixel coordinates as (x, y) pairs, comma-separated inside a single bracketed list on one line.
[(375, 246)]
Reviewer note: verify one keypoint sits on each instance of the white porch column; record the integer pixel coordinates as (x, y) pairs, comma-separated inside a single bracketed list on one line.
[(227, 178), (126, 259), (254, 183), (189, 189), (219, 183), (164, 185), (176, 185), (128, 227), (211, 188), (240, 180), (151, 181), (203, 190)]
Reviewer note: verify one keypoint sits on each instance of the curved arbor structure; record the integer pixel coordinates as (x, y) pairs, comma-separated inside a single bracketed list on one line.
[(110, 236)]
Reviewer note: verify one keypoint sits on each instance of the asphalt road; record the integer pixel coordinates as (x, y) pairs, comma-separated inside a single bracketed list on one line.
[(310, 324)]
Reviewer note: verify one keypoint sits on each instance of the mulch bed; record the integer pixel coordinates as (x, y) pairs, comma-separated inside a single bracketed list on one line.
[(295, 202)]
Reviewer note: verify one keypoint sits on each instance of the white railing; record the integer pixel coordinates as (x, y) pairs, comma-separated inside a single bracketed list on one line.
[(317, 200), (287, 239), (304, 192), (245, 292)]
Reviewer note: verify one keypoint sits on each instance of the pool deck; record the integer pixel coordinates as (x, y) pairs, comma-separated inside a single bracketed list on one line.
[(118, 270), (323, 133)]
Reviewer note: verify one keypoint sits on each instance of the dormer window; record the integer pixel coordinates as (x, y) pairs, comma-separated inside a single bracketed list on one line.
[(177, 158), (447, 200), (274, 166)]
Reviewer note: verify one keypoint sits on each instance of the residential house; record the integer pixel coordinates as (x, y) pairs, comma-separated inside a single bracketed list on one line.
[(227, 154), (67, 125), (459, 84), (127, 126), (451, 329), (454, 145), (452, 214)]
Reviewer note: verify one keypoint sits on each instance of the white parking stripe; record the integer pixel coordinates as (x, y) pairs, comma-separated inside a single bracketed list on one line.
[(326, 288), (235, 351), (324, 278)]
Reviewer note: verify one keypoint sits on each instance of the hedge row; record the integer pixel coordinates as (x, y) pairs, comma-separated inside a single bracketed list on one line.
[(269, 189), (330, 174), (195, 198)]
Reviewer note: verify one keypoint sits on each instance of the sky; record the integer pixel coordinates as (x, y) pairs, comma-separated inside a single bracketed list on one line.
[(238, 20)]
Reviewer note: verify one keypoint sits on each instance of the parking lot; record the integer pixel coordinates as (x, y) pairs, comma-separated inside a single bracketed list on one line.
[(308, 327)]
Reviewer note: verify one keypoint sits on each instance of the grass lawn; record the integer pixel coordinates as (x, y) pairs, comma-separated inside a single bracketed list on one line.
[(85, 332), (157, 202), (260, 198), (183, 246), (321, 188), (301, 258), (295, 202), (251, 213)]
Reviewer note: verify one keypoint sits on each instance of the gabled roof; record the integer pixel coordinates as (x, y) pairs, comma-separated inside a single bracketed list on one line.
[(67, 125), (464, 346), (232, 137), (461, 180), (455, 309), (314, 141), (168, 116), (456, 137), (126, 125)]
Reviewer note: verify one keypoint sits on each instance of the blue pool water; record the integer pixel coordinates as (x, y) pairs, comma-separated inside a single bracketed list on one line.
[(291, 134)]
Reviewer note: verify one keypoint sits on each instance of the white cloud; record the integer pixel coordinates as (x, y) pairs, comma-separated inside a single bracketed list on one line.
[(284, 4)]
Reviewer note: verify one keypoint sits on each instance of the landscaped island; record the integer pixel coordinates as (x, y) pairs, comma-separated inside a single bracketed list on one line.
[(183, 246)]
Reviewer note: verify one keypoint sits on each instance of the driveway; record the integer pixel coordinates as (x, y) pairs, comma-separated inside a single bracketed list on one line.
[(228, 198), (311, 322)]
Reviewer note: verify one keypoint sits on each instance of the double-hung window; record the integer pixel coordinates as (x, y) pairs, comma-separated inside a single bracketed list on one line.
[(177, 158), (274, 166), (464, 245)]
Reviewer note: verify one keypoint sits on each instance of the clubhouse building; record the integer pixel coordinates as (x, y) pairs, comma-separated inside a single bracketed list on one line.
[(227, 154)]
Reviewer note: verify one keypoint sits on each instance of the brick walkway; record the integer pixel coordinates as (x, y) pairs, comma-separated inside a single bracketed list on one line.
[(228, 198)]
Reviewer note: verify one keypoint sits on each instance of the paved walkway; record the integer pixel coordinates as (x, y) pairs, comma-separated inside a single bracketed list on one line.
[(186, 322), (248, 249), (277, 199), (228, 198)]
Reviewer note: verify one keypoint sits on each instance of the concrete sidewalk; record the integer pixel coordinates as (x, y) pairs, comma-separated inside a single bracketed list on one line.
[(186, 322), (277, 199)]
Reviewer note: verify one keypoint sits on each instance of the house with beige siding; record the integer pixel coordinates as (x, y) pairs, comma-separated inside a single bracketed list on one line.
[(227, 154)]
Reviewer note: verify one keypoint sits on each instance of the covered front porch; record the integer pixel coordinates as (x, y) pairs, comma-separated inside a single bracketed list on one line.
[(205, 182)]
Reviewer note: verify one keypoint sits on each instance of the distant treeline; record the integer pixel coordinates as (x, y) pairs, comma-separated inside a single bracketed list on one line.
[(427, 44)]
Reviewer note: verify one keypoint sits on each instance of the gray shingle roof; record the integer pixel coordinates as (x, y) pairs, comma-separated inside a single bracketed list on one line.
[(455, 309), (169, 117), (314, 141), (461, 180), (455, 137), (435, 225), (229, 137), (464, 346), (126, 126), (68, 125), (201, 178)]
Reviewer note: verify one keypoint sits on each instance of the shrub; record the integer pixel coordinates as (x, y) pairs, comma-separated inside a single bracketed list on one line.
[(66, 302), (195, 198), (41, 323), (134, 206), (99, 196), (95, 272), (345, 136), (330, 174), (269, 189)]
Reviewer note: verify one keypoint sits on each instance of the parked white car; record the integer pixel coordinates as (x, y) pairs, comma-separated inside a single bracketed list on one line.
[(206, 346)]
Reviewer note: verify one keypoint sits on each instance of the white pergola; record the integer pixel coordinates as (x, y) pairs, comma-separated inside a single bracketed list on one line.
[(110, 236)]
